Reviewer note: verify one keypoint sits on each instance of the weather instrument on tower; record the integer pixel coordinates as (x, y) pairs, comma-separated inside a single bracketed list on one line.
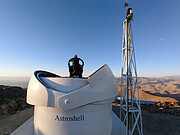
[(130, 109)]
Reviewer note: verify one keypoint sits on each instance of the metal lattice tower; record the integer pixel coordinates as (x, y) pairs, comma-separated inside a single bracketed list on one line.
[(130, 109)]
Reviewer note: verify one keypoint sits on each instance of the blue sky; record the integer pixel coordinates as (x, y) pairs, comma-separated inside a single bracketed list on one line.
[(45, 34)]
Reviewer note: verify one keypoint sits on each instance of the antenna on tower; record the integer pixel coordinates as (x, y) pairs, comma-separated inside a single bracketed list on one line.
[(130, 108)]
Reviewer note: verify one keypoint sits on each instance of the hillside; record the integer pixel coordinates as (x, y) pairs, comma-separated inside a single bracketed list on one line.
[(158, 89), (164, 86), (12, 99)]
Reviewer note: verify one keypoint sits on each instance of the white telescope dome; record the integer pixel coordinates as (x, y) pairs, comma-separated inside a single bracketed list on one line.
[(72, 106)]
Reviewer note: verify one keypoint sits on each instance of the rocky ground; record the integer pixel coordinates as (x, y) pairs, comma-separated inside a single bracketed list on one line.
[(12, 99), (157, 123), (169, 108), (13, 108)]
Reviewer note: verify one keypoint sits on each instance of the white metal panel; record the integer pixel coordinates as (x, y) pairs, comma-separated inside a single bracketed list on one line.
[(27, 128), (102, 86)]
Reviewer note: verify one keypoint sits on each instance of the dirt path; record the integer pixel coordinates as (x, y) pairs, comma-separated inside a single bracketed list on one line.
[(9, 123)]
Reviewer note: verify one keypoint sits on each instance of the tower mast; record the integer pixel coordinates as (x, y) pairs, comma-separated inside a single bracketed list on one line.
[(130, 109)]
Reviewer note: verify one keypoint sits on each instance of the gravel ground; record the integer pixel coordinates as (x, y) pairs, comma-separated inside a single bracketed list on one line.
[(8, 123), (158, 124)]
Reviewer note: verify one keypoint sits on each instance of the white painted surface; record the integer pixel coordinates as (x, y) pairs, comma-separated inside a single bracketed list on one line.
[(97, 120), (28, 127), (101, 85)]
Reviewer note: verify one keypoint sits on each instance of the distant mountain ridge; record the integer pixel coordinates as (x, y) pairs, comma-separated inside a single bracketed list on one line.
[(166, 86), (175, 77), (15, 81)]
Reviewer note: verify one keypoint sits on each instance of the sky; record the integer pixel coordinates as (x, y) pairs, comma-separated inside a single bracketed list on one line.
[(45, 34)]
